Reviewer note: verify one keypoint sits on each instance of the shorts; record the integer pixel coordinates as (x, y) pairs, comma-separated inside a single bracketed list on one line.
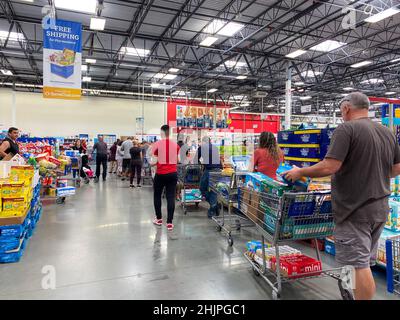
[(126, 164), (356, 243)]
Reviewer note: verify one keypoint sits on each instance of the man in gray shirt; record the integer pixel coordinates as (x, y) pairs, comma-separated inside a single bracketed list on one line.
[(362, 158), (126, 146), (101, 158)]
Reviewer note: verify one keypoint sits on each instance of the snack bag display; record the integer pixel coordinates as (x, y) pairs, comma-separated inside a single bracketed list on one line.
[(12, 190), (13, 206)]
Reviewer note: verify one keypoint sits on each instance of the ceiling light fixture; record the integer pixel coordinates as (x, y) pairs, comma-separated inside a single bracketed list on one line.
[(170, 76), (86, 79), (6, 72), (174, 70), (372, 81), (87, 6), (296, 53), (361, 64), (155, 85), (348, 88), (14, 36), (395, 60), (212, 90), (389, 93), (310, 74), (234, 64), (214, 26), (209, 41), (91, 61), (230, 29), (135, 51), (84, 68), (241, 77), (159, 75), (299, 83), (306, 98), (382, 15), (97, 23), (328, 45)]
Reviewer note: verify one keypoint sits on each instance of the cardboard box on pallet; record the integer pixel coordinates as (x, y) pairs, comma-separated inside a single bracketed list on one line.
[(15, 220)]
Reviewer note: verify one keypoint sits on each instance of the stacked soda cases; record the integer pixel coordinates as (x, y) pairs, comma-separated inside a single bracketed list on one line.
[(304, 148), (20, 211)]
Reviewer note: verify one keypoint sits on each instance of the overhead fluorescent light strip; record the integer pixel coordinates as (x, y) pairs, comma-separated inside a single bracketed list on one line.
[(230, 29), (328, 45), (97, 24), (361, 64), (135, 51), (212, 90), (91, 61), (6, 72), (296, 53), (14, 36), (382, 15), (235, 64), (174, 70), (87, 6), (86, 79), (209, 41)]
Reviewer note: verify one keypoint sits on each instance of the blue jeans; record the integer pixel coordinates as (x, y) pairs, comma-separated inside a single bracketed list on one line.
[(211, 197)]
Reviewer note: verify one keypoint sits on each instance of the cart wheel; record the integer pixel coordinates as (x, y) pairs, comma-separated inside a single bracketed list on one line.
[(197, 204), (346, 294), (219, 228), (59, 201), (256, 273), (276, 295), (63, 200), (230, 241)]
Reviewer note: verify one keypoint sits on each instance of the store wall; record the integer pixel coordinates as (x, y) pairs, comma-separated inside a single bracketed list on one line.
[(91, 115)]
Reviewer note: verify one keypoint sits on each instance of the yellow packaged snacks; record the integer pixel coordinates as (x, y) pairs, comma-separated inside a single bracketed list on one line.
[(12, 190)]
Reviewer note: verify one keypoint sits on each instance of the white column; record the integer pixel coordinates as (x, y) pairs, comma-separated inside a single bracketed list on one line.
[(288, 100), (14, 110)]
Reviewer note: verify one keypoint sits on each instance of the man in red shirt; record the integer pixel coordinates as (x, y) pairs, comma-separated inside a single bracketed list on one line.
[(166, 176)]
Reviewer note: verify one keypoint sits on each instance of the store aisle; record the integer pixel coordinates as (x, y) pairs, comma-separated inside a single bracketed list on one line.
[(103, 245)]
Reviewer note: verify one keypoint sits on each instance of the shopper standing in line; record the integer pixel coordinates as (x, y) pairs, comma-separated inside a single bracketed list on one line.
[(119, 157), (267, 157), (9, 147), (166, 175), (113, 160), (362, 158), (126, 158), (208, 155), (136, 164), (101, 158)]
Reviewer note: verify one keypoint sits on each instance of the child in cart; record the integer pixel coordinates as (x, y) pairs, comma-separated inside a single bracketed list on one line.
[(86, 172)]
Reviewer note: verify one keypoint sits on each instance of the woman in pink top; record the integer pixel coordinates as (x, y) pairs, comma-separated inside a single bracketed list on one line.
[(267, 157)]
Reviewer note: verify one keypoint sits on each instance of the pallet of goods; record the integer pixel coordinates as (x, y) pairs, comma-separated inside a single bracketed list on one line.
[(304, 148), (20, 211)]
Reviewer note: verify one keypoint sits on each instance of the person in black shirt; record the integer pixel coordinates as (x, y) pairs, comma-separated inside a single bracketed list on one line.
[(136, 164), (9, 147)]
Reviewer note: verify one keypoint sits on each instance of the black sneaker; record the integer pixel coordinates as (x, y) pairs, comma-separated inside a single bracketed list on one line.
[(123, 179), (139, 186), (132, 186), (96, 180)]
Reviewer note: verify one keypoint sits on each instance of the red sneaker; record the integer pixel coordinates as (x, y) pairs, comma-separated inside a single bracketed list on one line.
[(170, 226), (157, 222)]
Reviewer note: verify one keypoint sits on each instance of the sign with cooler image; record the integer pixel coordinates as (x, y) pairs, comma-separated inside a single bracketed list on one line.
[(62, 61), (201, 117)]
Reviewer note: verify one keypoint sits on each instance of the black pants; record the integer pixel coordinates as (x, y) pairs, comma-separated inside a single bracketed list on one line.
[(169, 182), (101, 159), (136, 167)]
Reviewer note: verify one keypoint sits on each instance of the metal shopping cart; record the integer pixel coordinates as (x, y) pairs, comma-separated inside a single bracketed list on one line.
[(226, 188), (393, 265), (290, 217), (189, 176)]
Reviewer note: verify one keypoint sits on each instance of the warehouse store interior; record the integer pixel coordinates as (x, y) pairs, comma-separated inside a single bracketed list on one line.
[(225, 112)]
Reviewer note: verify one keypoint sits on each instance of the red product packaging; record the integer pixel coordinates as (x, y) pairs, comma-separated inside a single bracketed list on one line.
[(55, 161), (298, 266), (42, 156)]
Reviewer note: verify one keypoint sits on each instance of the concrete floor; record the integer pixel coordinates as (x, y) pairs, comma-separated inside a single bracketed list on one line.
[(103, 245)]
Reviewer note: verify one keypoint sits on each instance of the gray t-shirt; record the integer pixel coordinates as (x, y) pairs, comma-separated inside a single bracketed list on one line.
[(126, 146), (361, 187), (101, 148)]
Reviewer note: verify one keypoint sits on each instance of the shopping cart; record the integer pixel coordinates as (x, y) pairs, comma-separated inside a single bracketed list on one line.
[(147, 172), (189, 176), (393, 265), (290, 217), (226, 188)]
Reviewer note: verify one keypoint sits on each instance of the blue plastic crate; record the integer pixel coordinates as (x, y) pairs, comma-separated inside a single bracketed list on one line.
[(301, 208), (300, 164), (326, 135), (15, 255)]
